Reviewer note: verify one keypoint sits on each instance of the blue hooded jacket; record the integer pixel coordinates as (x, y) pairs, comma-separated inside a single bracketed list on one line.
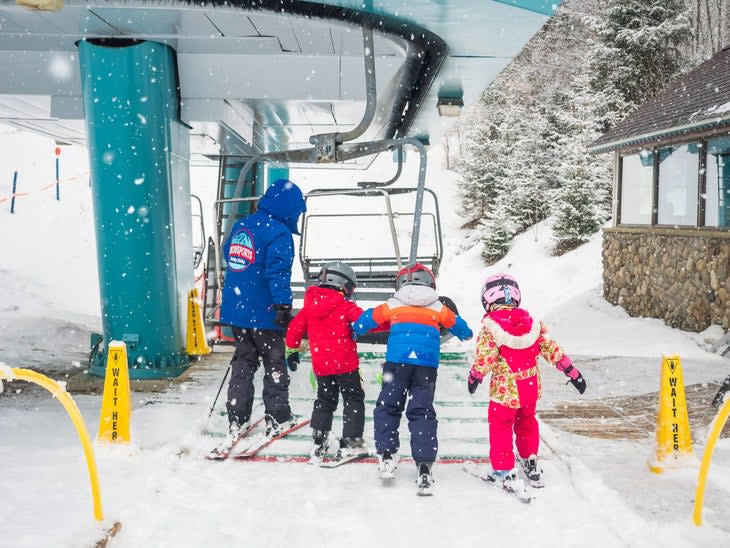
[(259, 253)]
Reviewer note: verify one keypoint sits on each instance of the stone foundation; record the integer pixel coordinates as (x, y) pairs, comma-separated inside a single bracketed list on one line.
[(680, 276)]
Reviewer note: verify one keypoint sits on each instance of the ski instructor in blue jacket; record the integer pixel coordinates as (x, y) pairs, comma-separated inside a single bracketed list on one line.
[(257, 301)]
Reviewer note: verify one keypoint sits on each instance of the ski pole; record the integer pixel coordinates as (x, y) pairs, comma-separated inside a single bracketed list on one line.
[(219, 392)]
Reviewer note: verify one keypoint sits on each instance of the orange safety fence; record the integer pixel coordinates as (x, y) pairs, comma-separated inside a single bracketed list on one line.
[(44, 187)]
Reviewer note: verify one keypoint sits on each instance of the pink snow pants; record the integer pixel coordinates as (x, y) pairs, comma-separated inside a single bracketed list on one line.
[(502, 422)]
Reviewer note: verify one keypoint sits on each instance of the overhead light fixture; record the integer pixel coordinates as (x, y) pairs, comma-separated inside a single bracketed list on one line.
[(450, 107)]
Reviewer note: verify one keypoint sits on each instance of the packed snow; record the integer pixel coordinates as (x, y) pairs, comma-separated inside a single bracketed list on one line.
[(165, 493)]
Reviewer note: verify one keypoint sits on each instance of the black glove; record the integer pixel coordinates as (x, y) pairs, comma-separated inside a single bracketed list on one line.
[(473, 383), (283, 315), (292, 361), (579, 382)]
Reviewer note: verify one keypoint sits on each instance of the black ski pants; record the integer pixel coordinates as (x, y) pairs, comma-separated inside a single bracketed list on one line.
[(252, 345), (353, 412)]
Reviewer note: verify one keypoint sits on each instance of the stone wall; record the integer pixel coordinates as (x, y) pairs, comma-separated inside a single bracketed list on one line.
[(679, 276)]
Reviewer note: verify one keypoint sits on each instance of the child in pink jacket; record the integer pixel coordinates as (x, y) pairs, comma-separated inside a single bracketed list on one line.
[(508, 347)]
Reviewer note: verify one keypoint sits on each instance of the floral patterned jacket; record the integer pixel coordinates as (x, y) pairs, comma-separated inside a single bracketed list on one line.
[(508, 347)]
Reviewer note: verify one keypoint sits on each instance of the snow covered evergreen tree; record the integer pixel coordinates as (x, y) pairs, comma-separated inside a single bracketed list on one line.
[(583, 201), (497, 232), (482, 164), (640, 47)]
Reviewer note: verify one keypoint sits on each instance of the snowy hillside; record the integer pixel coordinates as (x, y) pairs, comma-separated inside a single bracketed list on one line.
[(594, 448)]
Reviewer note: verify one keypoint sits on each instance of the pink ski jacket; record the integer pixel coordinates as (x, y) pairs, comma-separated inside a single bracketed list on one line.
[(508, 346)]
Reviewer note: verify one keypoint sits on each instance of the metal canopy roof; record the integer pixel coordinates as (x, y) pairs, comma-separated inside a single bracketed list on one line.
[(253, 73)]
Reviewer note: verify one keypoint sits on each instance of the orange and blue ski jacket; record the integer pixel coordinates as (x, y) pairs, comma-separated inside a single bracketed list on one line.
[(415, 315)]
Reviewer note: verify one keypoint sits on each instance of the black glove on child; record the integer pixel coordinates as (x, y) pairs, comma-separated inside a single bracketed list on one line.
[(473, 383), (579, 382), (283, 315), (292, 361)]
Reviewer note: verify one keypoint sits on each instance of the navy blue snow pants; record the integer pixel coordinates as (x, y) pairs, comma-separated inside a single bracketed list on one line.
[(417, 383)]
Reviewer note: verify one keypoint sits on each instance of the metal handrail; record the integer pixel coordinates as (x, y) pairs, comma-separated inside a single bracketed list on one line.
[(302, 248), (375, 191), (198, 255)]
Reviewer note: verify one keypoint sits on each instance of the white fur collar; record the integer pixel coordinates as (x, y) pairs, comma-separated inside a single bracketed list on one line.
[(518, 342)]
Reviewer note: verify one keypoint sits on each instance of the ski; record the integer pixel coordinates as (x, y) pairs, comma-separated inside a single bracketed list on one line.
[(334, 463), (222, 451), (263, 443), (474, 470)]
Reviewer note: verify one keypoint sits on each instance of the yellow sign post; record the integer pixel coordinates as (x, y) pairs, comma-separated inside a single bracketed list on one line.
[(116, 404), (673, 440), (196, 343)]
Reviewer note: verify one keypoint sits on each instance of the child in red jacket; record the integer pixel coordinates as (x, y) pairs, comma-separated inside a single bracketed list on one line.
[(326, 318), (508, 347)]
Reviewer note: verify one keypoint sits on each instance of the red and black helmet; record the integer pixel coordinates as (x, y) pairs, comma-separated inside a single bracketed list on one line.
[(415, 274)]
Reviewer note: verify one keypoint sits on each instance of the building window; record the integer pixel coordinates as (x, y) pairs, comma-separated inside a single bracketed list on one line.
[(636, 186), (717, 188), (678, 183)]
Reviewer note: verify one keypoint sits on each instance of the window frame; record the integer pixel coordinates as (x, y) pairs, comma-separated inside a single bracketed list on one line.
[(701, 197)]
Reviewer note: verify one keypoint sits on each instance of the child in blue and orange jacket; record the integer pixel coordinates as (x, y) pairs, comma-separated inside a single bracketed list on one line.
[(415, 314)]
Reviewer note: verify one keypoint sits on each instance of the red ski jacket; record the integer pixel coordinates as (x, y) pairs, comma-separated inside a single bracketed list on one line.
[(325, 318)]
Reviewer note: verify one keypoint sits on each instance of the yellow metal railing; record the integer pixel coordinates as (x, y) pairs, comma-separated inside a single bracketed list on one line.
[(718, 425), (61, 395)]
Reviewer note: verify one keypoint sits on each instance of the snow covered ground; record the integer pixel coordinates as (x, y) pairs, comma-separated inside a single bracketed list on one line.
[(599, 493)]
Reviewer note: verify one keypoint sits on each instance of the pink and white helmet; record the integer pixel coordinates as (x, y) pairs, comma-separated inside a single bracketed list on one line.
[(500, 289)]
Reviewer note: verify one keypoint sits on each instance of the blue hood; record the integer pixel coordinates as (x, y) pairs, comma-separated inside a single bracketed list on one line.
[(283, 200)]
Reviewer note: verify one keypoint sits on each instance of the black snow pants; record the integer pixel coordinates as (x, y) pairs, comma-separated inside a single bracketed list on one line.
[(353, 412), (252, 344)]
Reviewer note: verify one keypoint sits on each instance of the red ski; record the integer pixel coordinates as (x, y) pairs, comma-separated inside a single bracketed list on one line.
[(254, 449)]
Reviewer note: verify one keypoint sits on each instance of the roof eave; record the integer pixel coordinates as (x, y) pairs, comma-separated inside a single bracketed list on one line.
[(660, 134)]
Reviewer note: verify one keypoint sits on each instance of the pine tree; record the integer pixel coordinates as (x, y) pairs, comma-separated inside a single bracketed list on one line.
[(640, 48), (482, 164), (497, 233), (584, 199)]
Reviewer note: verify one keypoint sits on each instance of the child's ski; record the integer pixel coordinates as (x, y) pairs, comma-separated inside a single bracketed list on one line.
[(225, 448), (334, 463), (263, 443), (472, 469)]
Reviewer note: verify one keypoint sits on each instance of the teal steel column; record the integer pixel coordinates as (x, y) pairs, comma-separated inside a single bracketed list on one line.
[(266, 172), (139, 162)]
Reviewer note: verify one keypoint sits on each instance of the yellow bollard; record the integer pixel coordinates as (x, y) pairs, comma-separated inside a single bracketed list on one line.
[(61, 395), (718, 425), (673, 440), (116, 403), (196, 343)]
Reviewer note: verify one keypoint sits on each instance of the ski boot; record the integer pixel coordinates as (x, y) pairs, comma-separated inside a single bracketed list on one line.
[(387, 463), (319, 449), (235, 433), (425, 479), (532, 473), (510, 482), (350, 447), (274, 428)]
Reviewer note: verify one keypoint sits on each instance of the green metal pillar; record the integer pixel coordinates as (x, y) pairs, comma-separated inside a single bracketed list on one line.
[(139, 160)]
